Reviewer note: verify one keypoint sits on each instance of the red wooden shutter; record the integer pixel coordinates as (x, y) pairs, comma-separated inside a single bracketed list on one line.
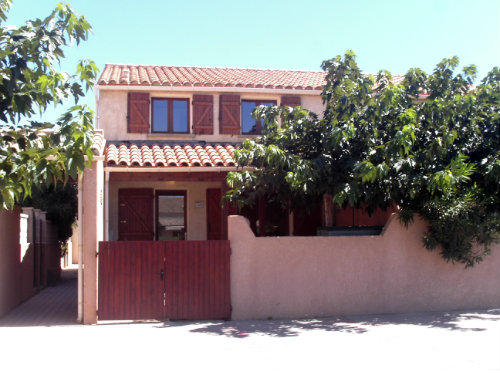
[(203, 114), (290, 101), (136, 214), (230, 107), (138, 112)]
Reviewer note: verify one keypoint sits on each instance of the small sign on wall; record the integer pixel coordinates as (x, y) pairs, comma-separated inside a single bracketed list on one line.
[(199, 204)]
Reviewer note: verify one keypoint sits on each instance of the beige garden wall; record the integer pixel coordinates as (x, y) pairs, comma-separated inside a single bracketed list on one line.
[(289, 277)]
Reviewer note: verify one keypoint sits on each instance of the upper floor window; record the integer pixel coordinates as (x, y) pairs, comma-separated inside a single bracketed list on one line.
[(249, 125), (170, 115)]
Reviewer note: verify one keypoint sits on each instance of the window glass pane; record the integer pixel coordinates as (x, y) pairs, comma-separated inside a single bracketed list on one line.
[(180, 116), (160, 115), (248, 124), (264, 103), (170, 217)]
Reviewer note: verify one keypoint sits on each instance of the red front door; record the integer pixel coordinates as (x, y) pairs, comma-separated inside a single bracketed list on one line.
[(136, 215)]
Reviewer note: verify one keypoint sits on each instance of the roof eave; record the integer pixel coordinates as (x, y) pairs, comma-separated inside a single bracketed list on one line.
[(158, 88), (188, 169)]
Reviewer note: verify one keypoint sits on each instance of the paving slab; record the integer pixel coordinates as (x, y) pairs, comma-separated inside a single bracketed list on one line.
[(42, 336), (465, 341)]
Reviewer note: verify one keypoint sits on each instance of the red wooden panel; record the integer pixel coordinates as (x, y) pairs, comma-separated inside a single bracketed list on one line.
[(198, 282), (230, 113), (358, 217), (214, 214), (195, 285), (203, 114), (306, 223), (138, 112), (130, 287), (136, 214), (290, 101), (378, 218), (344, 217)]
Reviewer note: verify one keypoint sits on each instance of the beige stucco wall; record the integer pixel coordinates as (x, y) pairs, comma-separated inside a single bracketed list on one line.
[(112, 113), (196, 213), (288, 277)]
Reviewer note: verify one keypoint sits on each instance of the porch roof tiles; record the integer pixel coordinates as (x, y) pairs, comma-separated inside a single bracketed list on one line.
[(169, 155)]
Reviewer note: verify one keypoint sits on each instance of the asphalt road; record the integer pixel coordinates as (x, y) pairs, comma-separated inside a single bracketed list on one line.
[(422, 342)]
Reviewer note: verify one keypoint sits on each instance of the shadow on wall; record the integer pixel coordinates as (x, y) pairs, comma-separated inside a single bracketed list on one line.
[(351, 324), (29, 255)]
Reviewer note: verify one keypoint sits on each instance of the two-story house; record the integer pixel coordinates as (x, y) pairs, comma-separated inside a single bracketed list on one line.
[(170, 136), (164, 142)]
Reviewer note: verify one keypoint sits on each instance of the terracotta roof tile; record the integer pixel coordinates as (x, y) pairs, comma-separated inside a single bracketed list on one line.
[(114, 74), (179, 155), (98, 143), (186, 76)]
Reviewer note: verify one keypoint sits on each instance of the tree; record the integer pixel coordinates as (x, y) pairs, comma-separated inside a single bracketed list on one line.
[(32, 152), (430, 145), (60, 201)]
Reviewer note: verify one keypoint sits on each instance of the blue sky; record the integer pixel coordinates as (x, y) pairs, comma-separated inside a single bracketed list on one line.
[(385, 34)]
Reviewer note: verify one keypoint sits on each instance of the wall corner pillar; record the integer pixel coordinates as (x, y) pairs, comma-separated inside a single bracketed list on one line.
[(91, 218)]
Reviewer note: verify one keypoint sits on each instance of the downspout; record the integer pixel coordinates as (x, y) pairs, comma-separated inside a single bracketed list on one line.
[(80, 248)]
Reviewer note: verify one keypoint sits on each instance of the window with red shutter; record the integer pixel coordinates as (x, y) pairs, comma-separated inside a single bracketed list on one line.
[(203, 114), (229, 115), (291, 101), (138, 112)]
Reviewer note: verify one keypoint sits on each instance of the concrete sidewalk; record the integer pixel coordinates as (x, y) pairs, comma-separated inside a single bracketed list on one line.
[(423, 342), (41, 335)]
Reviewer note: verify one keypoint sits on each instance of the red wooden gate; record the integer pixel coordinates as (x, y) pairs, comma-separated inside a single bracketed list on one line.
[(178, 280)]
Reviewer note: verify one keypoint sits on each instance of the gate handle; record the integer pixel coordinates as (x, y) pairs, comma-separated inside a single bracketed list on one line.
[(162, 273)]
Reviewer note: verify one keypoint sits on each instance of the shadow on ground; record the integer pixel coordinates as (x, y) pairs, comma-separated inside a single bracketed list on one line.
[(351, 324), (53, 306)]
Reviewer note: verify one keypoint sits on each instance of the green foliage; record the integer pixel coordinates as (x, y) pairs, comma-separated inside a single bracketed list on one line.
[(36, 152), (60, 201), (429, 145)]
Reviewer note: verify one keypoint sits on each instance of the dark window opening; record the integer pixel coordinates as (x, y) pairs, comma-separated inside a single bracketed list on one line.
[(267, 218)]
